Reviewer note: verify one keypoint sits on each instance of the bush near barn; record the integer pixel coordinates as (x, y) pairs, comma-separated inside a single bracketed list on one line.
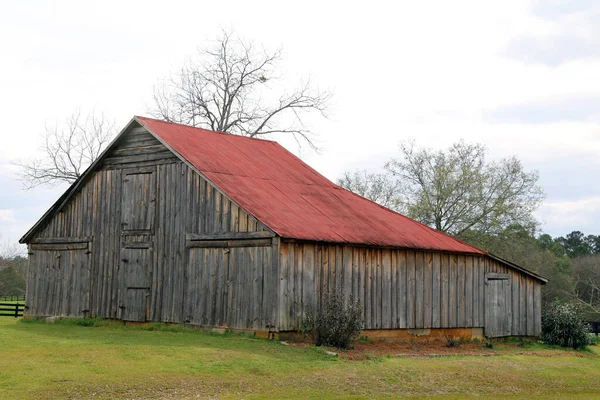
[(563, 325)]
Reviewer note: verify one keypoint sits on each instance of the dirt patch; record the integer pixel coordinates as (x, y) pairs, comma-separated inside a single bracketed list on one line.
[(438, 348)]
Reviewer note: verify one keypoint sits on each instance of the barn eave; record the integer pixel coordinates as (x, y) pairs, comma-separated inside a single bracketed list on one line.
[(518, 268)]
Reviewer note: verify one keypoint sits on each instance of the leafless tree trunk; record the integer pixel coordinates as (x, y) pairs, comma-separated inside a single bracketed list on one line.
[(68, 150), (228, 89), (586, 283)]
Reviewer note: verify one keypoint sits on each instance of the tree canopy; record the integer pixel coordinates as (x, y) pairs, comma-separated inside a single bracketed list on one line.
[(454, 190)]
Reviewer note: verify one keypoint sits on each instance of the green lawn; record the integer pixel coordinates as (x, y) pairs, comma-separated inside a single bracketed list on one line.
[(39, 360)]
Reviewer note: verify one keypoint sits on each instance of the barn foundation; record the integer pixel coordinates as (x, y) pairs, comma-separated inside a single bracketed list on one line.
[(398, 335)]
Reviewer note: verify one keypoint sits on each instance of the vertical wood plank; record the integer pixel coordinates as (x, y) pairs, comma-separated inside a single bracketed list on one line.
[(283, 278), (522, 305), (402, 289), (420, 289), (386, 289), (469, 286), (453, 292), (537, 310), (530, 307), (436, 290), (411, 291), (461, 292), (428, 290), (368, 291), (394, 288)]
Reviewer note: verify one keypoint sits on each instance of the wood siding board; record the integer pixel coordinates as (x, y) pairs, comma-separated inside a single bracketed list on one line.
[(461, 291), (537, 310), (428, 291), (452, 292), (530, 307), (445, 292), (402, 290), (411, 291), (469, 287), (386, 289), (436, 286), (308, 279), (376, 289), (394, 289), (523, 305), (283, 278), (419, 290), (368, 288)]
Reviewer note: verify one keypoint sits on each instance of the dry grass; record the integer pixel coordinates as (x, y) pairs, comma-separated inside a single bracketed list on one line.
[(111, 361)]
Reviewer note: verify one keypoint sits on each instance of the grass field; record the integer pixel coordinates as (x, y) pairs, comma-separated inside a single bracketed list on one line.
[(63, 360)]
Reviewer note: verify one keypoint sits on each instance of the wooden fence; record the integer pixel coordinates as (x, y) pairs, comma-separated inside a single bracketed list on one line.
[(11, 309), (12, 298)]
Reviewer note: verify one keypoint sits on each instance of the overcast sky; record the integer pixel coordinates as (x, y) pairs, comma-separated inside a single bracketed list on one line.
[(520, 77)]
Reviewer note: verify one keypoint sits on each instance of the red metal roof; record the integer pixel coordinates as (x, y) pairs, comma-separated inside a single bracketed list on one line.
[(290, 197)]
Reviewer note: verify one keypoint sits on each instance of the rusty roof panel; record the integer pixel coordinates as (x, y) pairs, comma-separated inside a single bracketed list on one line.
[(290, 197)]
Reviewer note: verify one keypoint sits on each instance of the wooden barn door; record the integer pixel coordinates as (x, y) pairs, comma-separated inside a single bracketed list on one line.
[(138, 214), (138, 201), (136, 283), (207, 286), (230, 286), (498, 316), (59, 280)]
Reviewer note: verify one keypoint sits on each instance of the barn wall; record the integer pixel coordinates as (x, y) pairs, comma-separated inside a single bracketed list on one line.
[(523, 300), (184, 203), (232, 286), (399, 289)]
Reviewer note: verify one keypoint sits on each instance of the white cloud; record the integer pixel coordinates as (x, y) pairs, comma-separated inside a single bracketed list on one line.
[(568, 216), (7, 216)]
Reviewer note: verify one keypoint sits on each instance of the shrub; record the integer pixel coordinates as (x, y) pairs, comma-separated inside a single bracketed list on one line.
[(336, 323), (452, 341), (563, 325)]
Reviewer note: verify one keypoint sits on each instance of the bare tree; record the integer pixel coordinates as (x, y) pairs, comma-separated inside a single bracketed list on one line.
[(68, 150), (586, 282), (227, 90), (380, 188)]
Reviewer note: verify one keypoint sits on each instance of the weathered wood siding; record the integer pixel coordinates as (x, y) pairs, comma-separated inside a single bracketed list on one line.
[(232, 286), (58, 282), (399, 289), (522, 300), (177, 201)]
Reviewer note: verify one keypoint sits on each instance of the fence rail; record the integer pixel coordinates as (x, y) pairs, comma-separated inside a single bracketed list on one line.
[(12, 298), (11, 309)]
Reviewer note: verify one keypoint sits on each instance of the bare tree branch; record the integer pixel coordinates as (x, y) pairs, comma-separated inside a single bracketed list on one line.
[(226, 89), (586, 282), (68, 150)]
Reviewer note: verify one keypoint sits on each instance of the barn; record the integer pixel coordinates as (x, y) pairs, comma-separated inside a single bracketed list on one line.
[(179, 224)]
